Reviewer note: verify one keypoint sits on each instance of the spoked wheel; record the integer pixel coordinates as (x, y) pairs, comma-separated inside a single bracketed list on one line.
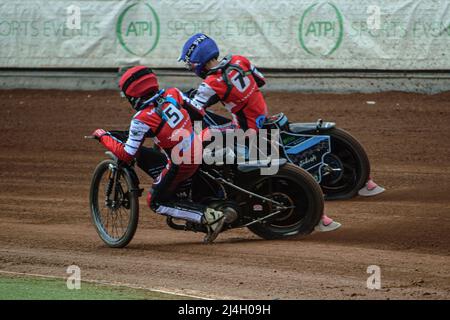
[(348, 166), (298, 192), (114, 204)]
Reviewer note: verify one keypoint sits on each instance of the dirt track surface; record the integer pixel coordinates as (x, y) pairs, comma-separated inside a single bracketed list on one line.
[(45, 226)]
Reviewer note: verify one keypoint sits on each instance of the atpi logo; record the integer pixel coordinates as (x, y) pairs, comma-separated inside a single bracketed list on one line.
[(138, 29), (321, 29)]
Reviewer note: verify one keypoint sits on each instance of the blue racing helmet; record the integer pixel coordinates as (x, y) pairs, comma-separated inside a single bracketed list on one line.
[(197, 51)]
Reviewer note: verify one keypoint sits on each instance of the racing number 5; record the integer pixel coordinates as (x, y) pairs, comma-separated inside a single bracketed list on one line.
[(173, 115)]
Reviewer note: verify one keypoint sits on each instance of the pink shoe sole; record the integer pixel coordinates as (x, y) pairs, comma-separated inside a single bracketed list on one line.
[(371, 189)]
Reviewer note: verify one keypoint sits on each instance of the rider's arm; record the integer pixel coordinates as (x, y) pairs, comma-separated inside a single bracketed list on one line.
[(196, 111), (258, 76), (204, 98), (200, 113), (126, 151)]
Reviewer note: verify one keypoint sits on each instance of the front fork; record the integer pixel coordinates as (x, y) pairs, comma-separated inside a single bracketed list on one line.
[(112, 185)]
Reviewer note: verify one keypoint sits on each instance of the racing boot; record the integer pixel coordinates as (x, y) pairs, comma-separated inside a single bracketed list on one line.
[(327, 224), (371, 189), (214, 221)]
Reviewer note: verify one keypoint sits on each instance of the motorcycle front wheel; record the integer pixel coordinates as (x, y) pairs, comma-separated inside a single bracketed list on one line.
[(114, 204)]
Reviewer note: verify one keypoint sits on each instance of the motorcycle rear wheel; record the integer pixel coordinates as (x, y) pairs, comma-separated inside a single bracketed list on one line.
[(348, 154), (292, 186)]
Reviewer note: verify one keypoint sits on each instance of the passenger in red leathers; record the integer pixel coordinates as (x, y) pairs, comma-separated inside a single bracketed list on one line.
[(161, 116), (234, 82)]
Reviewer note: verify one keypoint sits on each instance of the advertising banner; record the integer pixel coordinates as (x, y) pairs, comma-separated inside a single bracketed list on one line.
[(282, 34)]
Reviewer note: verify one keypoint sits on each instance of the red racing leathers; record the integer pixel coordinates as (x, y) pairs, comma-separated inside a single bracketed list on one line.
[(168, 123), (235, 82)]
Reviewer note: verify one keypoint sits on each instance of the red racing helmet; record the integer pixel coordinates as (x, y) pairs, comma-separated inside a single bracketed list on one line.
[(138, 82)]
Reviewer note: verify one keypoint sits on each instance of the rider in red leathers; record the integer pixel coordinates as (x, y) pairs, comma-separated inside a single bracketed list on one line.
[(234, 81), (161, 116)]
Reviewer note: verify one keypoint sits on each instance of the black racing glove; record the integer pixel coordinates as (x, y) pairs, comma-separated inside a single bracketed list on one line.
[(190, 93)]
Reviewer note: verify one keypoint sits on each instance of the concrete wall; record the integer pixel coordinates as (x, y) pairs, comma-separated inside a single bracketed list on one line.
[(307, 81)]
